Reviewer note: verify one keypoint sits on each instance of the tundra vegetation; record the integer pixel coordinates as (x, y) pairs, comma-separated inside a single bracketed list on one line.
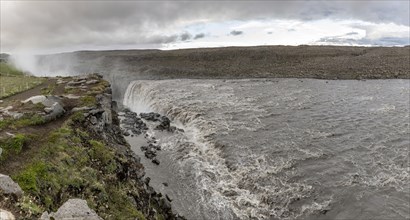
[(14, 81), (56, 160)]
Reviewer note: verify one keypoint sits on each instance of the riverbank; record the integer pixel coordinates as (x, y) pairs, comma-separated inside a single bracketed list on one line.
[(61, 146)]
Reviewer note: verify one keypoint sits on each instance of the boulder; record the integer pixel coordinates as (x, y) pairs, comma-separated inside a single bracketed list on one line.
[(74, 84), (85, 108), (55, 111), (9, 187), (47, 101), (15, 115), (91, 82), (81, 78), (50, 100), (71, 96), (60, 81), (36, 99), (155, 161), (73, 209), (6, 215)]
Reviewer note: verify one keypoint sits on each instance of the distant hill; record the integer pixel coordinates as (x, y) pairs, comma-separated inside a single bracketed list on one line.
[(323, 62), (4, 57)]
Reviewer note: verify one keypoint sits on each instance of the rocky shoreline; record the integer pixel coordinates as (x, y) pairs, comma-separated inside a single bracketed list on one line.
[(86, 170)]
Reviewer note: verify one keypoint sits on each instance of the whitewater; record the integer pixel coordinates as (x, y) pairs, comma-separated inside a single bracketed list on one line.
[(281, 148)]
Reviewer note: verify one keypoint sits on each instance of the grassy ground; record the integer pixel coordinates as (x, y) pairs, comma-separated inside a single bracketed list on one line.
[(53, 161), (10, 85), (13, 81), (9, 70)]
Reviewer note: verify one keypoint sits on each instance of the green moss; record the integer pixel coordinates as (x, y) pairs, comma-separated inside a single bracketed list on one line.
[(49, 90), (159, 217), (71, 164), (13, 145), (29, 121), (5, 123), (29, 179), (100, 152), (88, 101), (39, 106), (78, 117), (121, 201), (28, 206), (26, 120)]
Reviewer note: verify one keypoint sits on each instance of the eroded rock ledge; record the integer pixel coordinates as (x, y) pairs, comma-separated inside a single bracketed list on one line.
[(80, 167)]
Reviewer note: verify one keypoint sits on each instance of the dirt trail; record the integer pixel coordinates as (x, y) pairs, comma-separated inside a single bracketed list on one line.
[(28, 93), (40, 132)]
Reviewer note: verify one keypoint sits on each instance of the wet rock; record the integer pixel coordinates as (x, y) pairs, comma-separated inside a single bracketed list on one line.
[(6, 215), (166, 204), (75, 209), (93, 120), (9, 187), (108, 90), (147, 180), (165, 184), (150, 154), (155, 161), (152, 116), (230, 193), (128, 121)]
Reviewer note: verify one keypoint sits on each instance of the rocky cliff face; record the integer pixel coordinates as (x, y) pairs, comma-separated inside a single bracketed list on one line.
[(82, 164)]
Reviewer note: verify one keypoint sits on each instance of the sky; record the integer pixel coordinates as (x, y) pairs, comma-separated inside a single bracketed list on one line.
[(61, 26)]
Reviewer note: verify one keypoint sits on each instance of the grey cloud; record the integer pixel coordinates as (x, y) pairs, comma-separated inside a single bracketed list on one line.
[(270, 32), (236, 33), (352, 33), (199, 36), (383, 41), (47, 24), (185, 36)]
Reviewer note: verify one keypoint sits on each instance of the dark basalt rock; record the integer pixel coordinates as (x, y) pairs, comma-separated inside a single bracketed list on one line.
[(155, 161), (152, 116)]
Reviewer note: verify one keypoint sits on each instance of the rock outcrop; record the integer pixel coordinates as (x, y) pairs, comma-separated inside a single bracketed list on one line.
[(6, 215), (73, 209), (9, 187)]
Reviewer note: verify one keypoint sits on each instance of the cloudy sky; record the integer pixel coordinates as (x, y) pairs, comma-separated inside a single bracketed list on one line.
[(57, 26)]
